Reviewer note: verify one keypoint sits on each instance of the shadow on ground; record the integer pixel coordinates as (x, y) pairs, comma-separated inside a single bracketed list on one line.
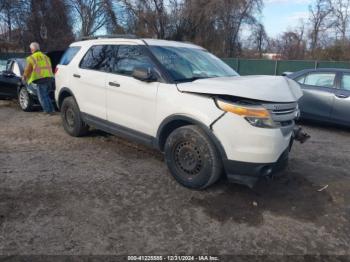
[(291, 196)]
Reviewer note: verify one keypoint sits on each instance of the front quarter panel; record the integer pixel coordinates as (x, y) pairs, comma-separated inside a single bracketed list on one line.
[(171, 102)]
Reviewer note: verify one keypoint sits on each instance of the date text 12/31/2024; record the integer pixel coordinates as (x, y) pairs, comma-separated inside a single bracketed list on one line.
[(173, 258)]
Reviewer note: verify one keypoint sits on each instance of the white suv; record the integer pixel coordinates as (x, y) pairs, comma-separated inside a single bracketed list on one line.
[(184, 101)]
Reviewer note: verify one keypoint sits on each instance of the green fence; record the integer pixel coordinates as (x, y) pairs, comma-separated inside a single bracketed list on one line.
[(278, 67)]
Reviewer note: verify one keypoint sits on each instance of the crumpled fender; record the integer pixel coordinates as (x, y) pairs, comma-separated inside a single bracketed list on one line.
[(278, 89)]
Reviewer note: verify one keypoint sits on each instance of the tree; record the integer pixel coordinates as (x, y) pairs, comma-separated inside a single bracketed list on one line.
[(341, 12), (233, 14), (13, 17), (149, 17), (49, 24), (91, 14), (112, 25), (259, 38), (319, 14), (215, 24), (292, 46), (8, 14)]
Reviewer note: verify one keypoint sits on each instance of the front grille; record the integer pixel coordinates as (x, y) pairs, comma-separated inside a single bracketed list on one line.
[(284, 114)]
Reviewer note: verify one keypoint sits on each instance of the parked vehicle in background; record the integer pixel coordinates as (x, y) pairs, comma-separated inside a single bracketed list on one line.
[(11, 85), (10, 78), (326, 95), (183, 100)]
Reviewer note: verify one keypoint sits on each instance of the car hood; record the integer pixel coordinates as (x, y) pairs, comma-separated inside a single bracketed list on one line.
[(264, 88)]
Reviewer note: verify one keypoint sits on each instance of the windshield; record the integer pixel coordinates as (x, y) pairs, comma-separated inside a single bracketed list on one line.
[(189, 64)]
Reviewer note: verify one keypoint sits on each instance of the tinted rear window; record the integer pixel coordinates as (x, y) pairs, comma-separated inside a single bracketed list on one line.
[(98, 58), (69, 55)]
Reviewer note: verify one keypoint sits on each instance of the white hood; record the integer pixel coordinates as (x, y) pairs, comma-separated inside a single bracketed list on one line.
[(264, 88)]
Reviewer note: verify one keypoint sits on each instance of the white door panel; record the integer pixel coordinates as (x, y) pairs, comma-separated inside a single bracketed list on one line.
[(90, 89), (131, 103)]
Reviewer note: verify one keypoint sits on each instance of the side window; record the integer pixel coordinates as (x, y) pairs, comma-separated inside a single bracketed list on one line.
[(69, 55), (129, 57), (16, 70), (98, 58), (345, 82), (320, 79)]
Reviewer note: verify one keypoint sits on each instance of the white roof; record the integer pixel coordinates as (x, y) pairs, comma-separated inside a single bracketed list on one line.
[(107, 41), (151, 42), (158, 42)]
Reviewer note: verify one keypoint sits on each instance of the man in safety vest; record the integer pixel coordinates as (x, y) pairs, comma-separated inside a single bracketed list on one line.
[(38, 72)]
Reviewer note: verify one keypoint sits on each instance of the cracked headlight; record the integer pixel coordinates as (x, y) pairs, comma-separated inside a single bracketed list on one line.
[(255, 115), (262, 122)]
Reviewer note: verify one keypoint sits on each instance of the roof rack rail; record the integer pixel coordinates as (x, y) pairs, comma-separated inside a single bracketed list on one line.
[(128, 36)]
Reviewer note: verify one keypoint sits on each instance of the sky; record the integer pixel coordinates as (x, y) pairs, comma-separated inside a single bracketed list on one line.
[(278, 15)]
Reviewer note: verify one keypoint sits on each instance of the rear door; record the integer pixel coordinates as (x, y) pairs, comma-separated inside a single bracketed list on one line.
[(341, 108), (89, 80), (319, 91)]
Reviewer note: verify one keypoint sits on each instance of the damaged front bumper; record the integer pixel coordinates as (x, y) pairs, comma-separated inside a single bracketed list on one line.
[(299, 135), (249, 173)]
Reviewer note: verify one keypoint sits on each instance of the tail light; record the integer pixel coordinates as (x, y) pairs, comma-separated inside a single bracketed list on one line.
[(56, 70)]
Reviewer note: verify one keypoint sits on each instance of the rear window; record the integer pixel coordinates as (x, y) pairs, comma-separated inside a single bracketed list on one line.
[(98, 58), (69, 55)]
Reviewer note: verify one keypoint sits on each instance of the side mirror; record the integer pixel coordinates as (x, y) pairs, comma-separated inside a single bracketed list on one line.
[(144, 74)]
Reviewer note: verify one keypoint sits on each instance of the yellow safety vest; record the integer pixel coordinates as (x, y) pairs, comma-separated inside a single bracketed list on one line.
[(41, 66)]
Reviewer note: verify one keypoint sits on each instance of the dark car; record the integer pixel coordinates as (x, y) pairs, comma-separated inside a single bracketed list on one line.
[(11, 85), (326, 95), (10, 77)]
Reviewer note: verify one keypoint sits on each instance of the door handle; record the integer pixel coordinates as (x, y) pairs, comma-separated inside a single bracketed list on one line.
[(76, 75), (341, 96), (114, 84)]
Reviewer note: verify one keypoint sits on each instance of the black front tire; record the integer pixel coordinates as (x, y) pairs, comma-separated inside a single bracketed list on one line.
[(71, 118), (25, 100), (192, 158)]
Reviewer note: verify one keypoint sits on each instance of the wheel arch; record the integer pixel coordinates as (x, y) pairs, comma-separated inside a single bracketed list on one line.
[(19, 87), (173, 122), (64, 93)]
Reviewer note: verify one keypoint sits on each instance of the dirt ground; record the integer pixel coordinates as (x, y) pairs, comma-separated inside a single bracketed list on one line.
[(104, 195)]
